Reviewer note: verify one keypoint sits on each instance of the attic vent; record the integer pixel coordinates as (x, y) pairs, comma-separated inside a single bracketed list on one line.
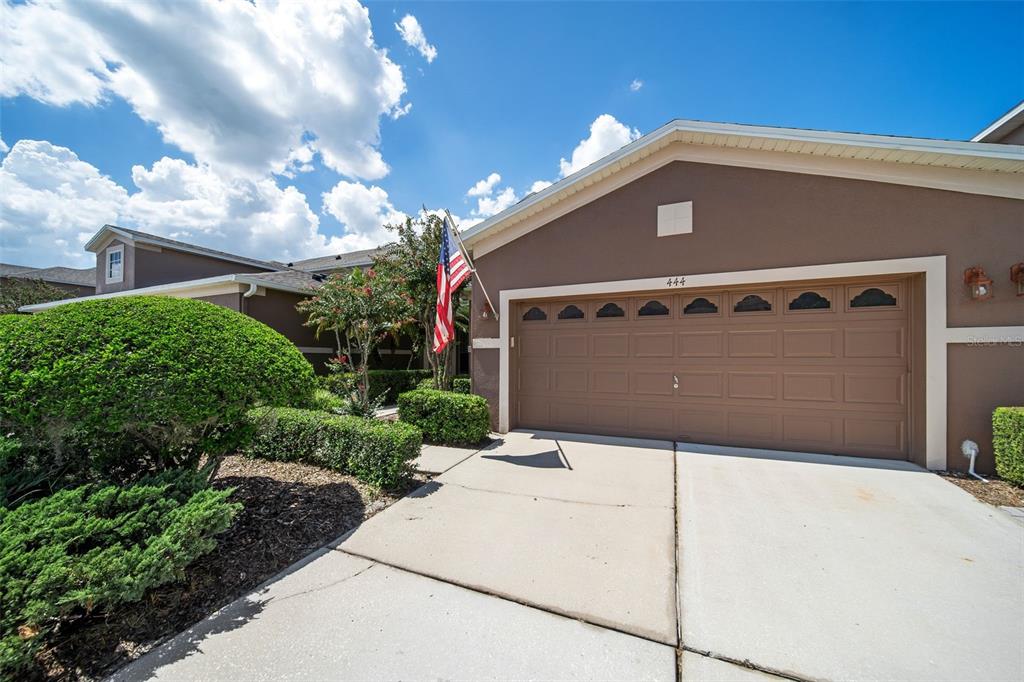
[(675, 219)]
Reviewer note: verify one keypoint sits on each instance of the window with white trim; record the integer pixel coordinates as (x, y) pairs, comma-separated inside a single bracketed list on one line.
[(115, 264)]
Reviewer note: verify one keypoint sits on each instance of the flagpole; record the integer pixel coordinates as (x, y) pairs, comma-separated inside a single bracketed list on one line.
[(472, 268)]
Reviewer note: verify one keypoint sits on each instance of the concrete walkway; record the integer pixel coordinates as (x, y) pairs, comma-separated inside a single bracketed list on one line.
[(548, 556)]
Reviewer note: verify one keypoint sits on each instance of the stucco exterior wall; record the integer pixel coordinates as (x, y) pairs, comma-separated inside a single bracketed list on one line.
[(166, 266), (746, 219)]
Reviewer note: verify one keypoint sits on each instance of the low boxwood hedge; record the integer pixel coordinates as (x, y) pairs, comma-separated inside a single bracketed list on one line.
[(374, 451), (87, 548), (1008, 443), (445, 417), (387, 382), (327, 401), (460, 384)]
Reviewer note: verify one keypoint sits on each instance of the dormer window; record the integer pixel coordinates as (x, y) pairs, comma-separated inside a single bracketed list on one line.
[(115, 264)]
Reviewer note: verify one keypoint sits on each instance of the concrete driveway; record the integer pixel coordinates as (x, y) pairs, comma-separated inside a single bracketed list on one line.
[(839, 568), (581, 526), (549, 556)]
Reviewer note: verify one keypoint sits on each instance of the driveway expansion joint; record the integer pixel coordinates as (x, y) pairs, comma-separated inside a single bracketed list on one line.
[(748, 664), (558, 499), (505, 597)]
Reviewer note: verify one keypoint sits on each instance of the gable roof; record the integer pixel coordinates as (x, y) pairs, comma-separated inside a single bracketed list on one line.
[(107, 232), (83, 277), (8, 269), (1008, 122), (905, 160), (341, 260)]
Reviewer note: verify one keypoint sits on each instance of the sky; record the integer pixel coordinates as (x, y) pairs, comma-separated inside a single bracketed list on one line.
[(292, 130)]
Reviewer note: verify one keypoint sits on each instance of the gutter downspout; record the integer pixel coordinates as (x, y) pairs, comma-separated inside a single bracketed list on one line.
[(243, 304)]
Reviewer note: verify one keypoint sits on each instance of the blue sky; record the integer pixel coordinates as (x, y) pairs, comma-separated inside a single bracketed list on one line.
[(513, 89)]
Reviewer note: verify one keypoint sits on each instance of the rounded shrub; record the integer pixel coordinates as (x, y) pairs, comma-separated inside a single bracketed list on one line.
[(445, 417), (112, 388)]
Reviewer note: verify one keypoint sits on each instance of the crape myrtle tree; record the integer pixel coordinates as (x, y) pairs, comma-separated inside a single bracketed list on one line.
[(412, 260), (360, 309)]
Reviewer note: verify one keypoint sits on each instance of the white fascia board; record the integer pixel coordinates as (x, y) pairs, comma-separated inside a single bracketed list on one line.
[(663, 136), (254, 279), (109, 232), (158, 290), (1017, 111)]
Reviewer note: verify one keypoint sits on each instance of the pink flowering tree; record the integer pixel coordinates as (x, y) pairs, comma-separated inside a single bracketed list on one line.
[(361, 309)]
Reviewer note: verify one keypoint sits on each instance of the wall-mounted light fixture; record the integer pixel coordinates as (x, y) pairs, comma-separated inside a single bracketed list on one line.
[(979, 282), (485, 311), (1017, 277)]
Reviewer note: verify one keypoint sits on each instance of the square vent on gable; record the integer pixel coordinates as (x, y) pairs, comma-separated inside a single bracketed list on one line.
[(675, 219)]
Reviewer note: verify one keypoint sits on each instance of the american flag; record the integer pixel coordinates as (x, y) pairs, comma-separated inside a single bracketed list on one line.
[(452, 270)]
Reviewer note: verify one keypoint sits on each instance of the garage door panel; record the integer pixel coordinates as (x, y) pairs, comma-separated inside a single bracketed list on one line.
[(700, 384), (610, 345), (653, 420), (570, 380), (699, 344), (875, 342), (652, 382), (752, 343), (810, 343), (571, 346), (752, 385), (653, 345), (811, 430), (815, 372), (874, 388), (811, 386), (883, 437), (534, 380), (752, 426), (694, 424), (534, 346), (571, 414), (613, 381)]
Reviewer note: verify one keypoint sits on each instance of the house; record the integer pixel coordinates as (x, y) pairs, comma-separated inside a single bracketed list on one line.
[(764, 287), (130, 262), (75, 281)]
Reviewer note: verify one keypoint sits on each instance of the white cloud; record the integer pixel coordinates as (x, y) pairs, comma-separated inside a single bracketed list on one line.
[(606, 136), (241, 85), (363, 211), (489, 205), (484, 187), (412, 33), (3, 146), (539, 185), (49, 197), (636, 85)]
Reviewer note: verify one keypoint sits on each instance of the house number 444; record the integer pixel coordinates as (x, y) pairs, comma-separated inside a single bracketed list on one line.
[(676, 281)]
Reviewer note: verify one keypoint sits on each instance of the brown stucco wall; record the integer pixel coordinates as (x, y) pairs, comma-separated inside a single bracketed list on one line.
[(232, 301), (982, 377), (166, 266), (748, 219), (277, 309), (145, 267)]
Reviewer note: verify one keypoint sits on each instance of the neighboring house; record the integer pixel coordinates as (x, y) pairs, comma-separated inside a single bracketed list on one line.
[(763, 287), (76, 281), (130, 262)]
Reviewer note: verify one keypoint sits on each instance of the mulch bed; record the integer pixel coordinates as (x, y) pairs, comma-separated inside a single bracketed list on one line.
[(997, 491), (289, 511)]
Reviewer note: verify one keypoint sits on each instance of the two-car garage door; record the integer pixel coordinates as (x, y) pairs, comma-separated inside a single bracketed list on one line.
[(819, 367)]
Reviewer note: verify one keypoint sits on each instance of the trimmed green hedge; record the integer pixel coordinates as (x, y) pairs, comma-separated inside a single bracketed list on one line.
[(444, 417), (1008, 443), (111, 389), (460, 384), (85, 549), (374, 451), (388, 382)]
